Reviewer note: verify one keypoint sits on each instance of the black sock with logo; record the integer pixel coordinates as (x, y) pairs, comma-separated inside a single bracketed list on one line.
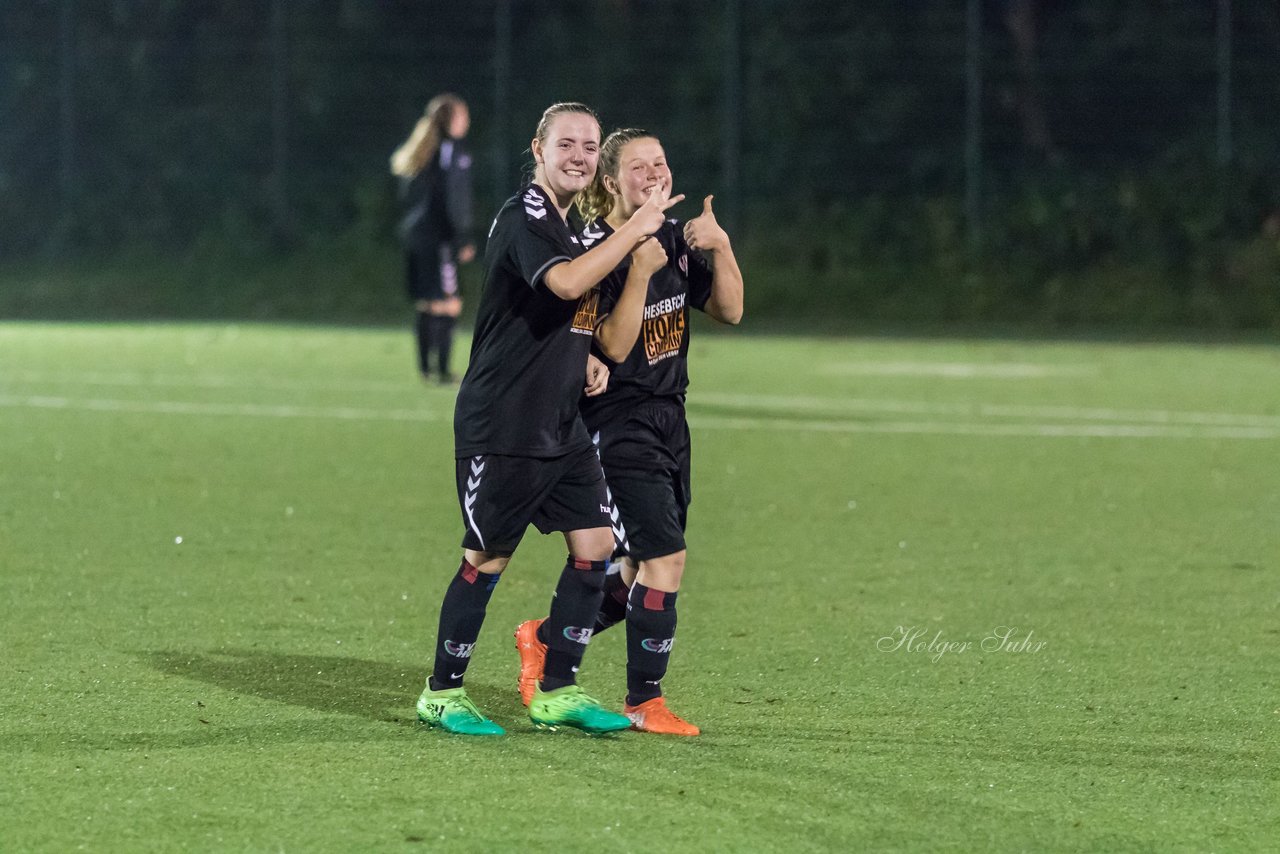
[(461, 617), (651, 631), (569, 626)]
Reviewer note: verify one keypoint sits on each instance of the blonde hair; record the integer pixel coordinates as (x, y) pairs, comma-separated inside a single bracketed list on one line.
[(595, 202), (544, 128), (416, 152)]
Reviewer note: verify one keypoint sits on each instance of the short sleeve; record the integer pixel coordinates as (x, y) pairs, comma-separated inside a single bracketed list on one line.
[(535, 248), (528, 225)]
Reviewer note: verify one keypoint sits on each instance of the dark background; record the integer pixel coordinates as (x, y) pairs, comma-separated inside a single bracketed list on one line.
[(1053, 163)]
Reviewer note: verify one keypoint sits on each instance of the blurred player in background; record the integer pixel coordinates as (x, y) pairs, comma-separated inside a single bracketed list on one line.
[(434, 171), (523, 454), (639, 423)]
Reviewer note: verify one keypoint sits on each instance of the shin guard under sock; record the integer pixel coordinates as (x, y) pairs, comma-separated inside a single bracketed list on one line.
[(613, 605), (651, 631), (461, 617), (569, 625)]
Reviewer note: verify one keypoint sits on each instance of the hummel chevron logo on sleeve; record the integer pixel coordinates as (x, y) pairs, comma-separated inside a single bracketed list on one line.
[(534, 206)]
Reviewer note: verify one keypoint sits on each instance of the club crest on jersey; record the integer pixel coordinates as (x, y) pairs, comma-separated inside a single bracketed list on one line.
[(684, 263), (534, 206)]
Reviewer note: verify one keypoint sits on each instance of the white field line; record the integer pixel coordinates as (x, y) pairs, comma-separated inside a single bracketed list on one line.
[(783, 404), (959, 370), (956, 428), (852, 406), (702, 422), (251, 410), (135, 379)]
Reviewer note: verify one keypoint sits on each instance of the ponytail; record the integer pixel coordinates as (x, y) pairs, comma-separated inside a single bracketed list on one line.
[(416, 152)]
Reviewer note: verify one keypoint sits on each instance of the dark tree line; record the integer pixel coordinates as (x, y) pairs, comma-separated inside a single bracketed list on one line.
[(172, 123)]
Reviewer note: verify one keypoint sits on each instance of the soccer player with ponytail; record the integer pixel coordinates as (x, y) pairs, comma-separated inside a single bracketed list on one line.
[(522, 452), (638, 423), (434, 171)]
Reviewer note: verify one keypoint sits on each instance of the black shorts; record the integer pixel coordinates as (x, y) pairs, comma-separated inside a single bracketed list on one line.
[(433, 274), (646, 457), (501, 496)]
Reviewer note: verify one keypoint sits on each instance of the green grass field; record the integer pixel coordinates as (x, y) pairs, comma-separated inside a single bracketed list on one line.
[(223, 550)]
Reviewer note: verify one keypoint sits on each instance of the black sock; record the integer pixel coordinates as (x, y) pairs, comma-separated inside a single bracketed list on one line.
[(425, 328), (651, 630), (613, 607), (461, 617), (569, 625), (444, 343)]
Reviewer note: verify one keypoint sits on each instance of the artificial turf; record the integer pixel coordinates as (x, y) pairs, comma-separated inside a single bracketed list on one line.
[(941, 596)]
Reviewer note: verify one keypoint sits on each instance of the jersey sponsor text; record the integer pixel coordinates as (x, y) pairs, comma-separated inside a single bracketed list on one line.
[(664, 306), (663, 335), (584, 321)]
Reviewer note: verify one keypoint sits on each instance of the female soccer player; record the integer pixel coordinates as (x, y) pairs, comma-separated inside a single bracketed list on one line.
[(523, 454), (639, 422), (435, 190)]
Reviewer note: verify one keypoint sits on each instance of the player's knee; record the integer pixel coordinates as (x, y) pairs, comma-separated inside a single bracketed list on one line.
[(593, 544), (663, 573), (487, 562)]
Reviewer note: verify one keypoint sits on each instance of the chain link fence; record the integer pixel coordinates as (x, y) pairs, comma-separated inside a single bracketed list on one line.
[(172, 122)]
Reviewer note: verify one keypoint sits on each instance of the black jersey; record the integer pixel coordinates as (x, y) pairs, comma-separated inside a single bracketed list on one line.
[(657, 366), (520, 394), (437, 202)]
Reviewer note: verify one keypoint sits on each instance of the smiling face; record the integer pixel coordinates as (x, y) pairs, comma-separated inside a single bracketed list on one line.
[(567, 155), (642, 168)]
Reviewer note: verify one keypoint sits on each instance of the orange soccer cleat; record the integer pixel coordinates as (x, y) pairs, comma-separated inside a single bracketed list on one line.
[(533, 658), (654, 716)]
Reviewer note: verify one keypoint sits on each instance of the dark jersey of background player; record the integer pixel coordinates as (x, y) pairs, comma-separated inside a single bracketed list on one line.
[(658, 366), (435, 229), (437, 213), (520, 393)]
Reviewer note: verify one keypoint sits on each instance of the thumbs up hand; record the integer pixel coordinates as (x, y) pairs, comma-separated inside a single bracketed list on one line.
[(703, 232)]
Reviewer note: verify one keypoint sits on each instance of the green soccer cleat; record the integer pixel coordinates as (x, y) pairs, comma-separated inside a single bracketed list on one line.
[(453, 711), (570, 706)]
